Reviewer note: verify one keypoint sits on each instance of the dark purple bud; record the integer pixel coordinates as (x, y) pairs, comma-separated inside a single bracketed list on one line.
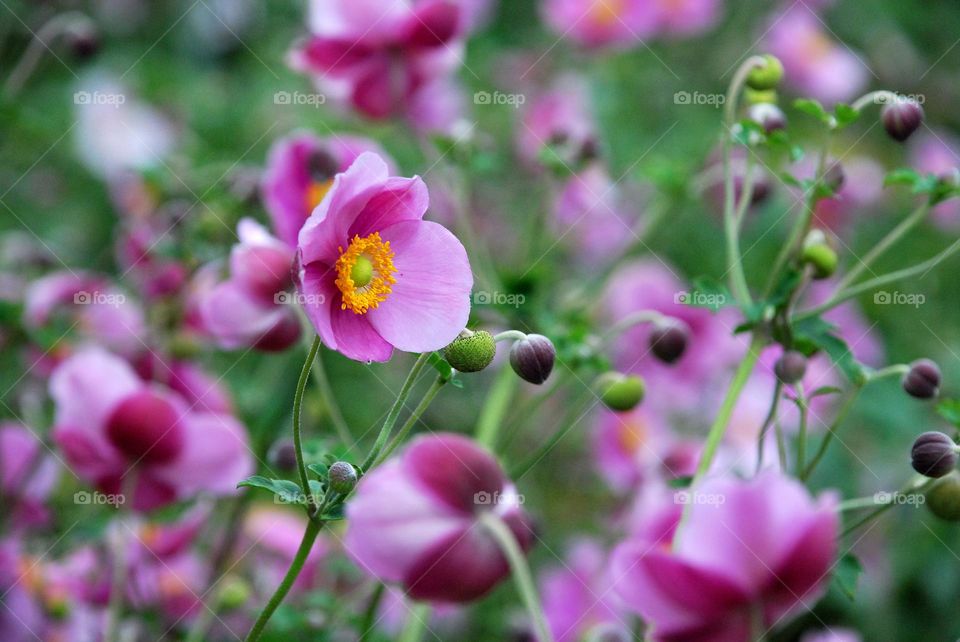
[(768, 116), (283, 455), (342, 477), (933, 454), (532, 358), (82, 39), (923, 379), (668, 340), (834, 176), (901, 118), (790, 367), (943, 498)]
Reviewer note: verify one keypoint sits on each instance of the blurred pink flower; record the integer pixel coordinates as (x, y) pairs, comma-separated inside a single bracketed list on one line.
[(559, 116), (22, 616), (373, 275), (815, 65), (576, 598), (377, 54), (110, 425), (832, 634), (937, 152), (28, 474), (414, 519), (682, 18), (299, 172), (762, 549), (187, 379), (599, 23), (273, 535), (252, 307)]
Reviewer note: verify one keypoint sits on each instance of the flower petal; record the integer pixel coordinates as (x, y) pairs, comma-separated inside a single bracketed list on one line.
[(401, 199), (356, 337), (454, 468)]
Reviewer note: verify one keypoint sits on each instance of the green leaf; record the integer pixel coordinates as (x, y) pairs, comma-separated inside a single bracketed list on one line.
[(846, 576), (823, 391), (815, 334), (440, 365), (334, 513), (903, 176), (320, 470), (949, 409), (285, 490), (845, 115), (683, 481), (706, 293), (814, 108)]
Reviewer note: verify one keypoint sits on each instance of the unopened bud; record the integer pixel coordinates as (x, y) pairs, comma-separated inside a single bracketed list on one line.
[(768, 116), (767, 75), (234, 594), (790, 367), (668, 340), (901, 118), (620, 392), (532, 358), (283, 455), (342, 477), (943, 498), (818, 253), (471, 351), (82, 38), (923, 379), (933, 454)]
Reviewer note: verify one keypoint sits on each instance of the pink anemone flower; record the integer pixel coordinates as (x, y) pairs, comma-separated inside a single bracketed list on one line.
[(28, 475), (752, 552), (111, 425), (415, 520), (373, 275), (602, 23)]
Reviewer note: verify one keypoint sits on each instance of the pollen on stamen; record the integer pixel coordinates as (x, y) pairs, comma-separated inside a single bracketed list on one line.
[(362, 298)]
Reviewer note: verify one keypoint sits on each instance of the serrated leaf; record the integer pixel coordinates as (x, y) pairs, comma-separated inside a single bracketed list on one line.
[(286, 490), (320, 470)]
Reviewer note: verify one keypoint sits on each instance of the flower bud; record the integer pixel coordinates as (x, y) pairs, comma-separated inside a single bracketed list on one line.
[(901, 118), (234, 594), (619, 391), (790, 367), (471, 351), (668, 340), (943, 498), (283, 455), (758, 96), (922, 380), (82, 38), (767, 75), (768, 116), (818, 253), (532, 358), (342, 477), (933, 454)]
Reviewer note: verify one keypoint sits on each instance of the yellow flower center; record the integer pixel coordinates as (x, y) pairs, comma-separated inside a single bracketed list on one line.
[(632, 435), (315, 193), (365, 273), (606, 12)]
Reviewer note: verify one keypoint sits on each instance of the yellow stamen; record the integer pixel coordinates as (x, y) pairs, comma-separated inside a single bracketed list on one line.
[(607, 12), (632, 435), (315, 193), (375, 281)]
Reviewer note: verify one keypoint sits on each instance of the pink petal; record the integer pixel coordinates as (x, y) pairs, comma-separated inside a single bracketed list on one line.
[(432, 24), (430, 302), (459, 568), (334, 55), (320, 299), (87, 386), (378, 88), (401, 199), (454, 468), (237, 317), (356, 338)]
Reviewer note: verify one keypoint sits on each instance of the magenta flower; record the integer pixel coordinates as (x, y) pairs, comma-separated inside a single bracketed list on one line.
[(373, 276), (111, 425), (272, 534), (377, 55), (299, 173), (28, 474), (759, 549), (682, 18), (937, 152), (599, 23), (251, 308), (414, 520), (561, 117)]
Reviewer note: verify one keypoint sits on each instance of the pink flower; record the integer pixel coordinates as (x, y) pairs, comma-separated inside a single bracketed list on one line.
[(815, 65), (110, 424), (299, 173), (250, 309), (763, 548), (560, 117), (687, 17), (414, 520), (28, 474), (378, 54), (598, 23), (273, 535), (576, 598), (937, 152), (373, 275)]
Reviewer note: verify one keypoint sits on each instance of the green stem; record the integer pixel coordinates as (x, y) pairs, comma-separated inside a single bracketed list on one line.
[(412, 420), (391, 419), (330, 402), (495, 407), (367, 623), (566, 424), (767, 422), (881, 96), (118, 577), (416, 623), (915, 487), (298, 420), (521, 572), (831, 433), (802, 433), (515, 335), (885, 244), (309, 537)]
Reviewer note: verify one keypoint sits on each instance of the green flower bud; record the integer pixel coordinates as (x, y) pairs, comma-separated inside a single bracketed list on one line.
[(818, 253), (759, 97), (342, 477), (619, 391), (943, 498), (766, 76), (471, 351), (234, 594)]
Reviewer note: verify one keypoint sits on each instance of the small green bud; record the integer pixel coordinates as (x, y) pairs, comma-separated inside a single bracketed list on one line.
[(234, 594), (766, 76), (471, 351), (943, 498), (760, 96), (818, 253), (619, 391), (342, 477)]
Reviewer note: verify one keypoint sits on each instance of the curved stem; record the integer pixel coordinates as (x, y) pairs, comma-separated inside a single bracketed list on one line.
[(398, 404), (633, 319), (915, 487), (805, 473), (879, 97), (297, 421), (885, 244), (50, 30), (521, 572), (767, 422), (515, 335), (412, 419), (309, 537)]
